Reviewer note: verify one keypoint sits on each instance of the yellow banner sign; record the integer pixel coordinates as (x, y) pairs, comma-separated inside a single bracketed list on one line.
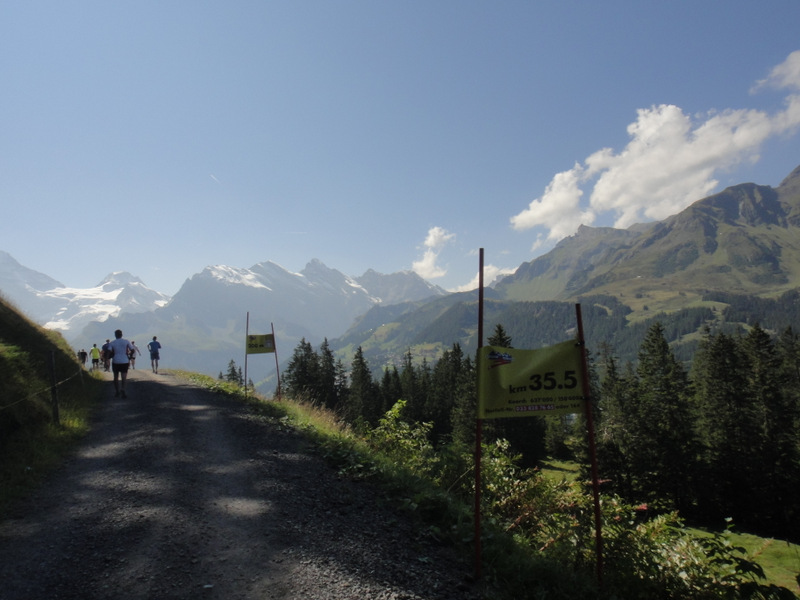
[(529, 383), (260, 344)]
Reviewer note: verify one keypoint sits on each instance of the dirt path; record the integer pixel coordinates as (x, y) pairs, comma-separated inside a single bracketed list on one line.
[(180, 493)]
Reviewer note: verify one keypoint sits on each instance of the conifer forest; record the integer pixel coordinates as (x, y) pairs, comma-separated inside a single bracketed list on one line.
[(716, 441)]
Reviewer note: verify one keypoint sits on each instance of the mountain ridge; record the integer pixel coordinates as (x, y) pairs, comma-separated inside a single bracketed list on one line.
[(742, 239), (740, 243), (704, 266), (204, 323)]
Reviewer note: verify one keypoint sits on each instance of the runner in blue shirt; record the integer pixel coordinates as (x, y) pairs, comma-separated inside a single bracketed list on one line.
[(154, 347)]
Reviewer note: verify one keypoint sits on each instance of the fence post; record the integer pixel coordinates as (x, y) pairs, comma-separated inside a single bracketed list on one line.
[(54, 388)]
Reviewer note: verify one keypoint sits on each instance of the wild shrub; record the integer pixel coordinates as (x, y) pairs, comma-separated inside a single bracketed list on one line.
[(553, 521), (643, 557), (405, 442)]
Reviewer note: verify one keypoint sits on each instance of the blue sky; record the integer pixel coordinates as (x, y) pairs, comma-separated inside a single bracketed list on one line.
[(163, 137)]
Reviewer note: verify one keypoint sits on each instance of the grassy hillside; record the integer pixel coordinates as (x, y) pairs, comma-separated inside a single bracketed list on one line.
[(744, 240), (30, 440), (725, 262), (426, 333)]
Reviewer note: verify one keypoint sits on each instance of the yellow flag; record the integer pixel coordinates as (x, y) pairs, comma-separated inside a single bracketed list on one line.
[(260, 344), (529, 383)]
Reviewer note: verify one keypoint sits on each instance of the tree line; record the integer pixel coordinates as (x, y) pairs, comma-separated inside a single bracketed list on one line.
[(719, 439)]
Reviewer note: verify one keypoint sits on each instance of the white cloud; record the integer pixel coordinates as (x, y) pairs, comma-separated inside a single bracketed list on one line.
[(670, 161), (785, 75), (437, 237), (558, 209), (490, 273), (426, 267)]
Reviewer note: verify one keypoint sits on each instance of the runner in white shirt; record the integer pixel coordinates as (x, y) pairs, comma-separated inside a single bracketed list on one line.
[(120, 361)]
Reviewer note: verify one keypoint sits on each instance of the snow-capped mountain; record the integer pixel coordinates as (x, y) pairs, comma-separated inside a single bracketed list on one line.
[(316, 302), (24, 287), (203, 326), (56, 306), (119, 292)]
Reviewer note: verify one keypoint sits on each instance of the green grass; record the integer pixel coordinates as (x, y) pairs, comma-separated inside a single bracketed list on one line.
[(31, 448), (779, 559), (29, 456), (31, 444), (558, 470)]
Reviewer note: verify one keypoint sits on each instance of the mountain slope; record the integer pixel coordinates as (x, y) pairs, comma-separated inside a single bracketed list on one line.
[(703, 266), (203, 325), (56, 306), (23, 287), (746, 240), (27, 352), (118, 293), (404, 286)]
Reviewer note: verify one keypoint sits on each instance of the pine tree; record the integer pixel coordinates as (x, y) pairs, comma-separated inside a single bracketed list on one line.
[(499, 338), (446, 386), (724, 425), (341, 384), (412, 389), (611, 428), (391, 390), (558, 429), (363, 401), (325, 389), (785, 437), (465, 412), (300, 377), (778, 450), (661, 449), (232, 375)]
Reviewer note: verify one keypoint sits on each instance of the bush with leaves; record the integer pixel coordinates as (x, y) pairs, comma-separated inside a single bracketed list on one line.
[(405, 442), (643, 557)]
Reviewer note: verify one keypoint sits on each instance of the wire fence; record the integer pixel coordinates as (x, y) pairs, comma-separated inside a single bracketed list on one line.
[(49, 389)]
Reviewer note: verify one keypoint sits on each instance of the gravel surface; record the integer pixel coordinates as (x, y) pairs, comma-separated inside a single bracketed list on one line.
[(181, 493)]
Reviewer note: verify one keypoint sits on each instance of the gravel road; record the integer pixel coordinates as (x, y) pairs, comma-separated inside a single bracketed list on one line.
[(180, 493)]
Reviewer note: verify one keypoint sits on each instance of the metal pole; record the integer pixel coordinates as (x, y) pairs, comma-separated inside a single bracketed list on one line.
[(478, 430), (277, 369), (246, 340), (592, 448)]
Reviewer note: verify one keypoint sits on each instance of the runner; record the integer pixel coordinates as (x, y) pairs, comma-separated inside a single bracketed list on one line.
[(95, 354), (132, 355), (154, 347), (121, 349)]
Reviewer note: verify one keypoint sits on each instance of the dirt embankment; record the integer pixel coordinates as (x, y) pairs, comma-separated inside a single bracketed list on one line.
[(180, 493)]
